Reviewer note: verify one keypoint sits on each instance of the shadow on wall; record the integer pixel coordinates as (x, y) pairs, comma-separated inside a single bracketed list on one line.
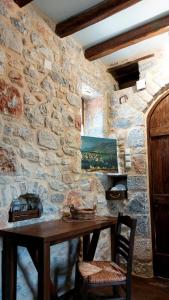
[(63, 259)]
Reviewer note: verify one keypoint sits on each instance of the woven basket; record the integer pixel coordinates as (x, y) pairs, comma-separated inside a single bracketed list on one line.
[(83, 213)]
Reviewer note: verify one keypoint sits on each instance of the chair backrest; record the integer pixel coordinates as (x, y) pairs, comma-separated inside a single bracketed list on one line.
[(124, 241)]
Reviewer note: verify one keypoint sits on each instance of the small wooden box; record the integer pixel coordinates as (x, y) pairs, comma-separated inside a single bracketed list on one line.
[(24, 215)]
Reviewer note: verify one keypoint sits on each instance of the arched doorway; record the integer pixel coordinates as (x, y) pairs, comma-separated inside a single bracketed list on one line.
[(158, 148)]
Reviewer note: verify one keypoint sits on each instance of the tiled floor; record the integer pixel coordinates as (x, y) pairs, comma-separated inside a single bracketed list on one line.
[(145, 289)]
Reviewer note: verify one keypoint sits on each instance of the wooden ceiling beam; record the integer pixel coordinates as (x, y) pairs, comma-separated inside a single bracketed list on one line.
[(117, 67), (129, 38), (22, 3), (92, 15)]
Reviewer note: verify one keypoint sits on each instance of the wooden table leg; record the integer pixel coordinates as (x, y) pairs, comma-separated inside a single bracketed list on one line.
[(44, 271), (9, 269), (86, 243), (34, 256)]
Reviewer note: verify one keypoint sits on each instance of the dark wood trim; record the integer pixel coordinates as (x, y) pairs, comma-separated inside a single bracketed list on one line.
[(128, 38), (92, 15), (111, 69), (150, 167), (22, 3)]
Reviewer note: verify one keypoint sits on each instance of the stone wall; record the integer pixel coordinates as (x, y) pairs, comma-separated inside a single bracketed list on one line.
[(41, 80), (127, 122)]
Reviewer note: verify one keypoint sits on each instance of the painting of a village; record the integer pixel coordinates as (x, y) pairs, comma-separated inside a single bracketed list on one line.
[(99, 154)]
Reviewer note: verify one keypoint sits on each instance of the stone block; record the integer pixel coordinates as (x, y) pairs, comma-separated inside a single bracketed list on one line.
[(10, 99), (74, 100), (78, 122), (31, 71), (46, 52), (73, 139), (40, 173), (3, 218), (54, 171), (67, 150), (143, 250), (43, 109), (16, 77), (125, 109), (47, 64), (143, 226), (3, 10), (152, 87), (76, 164), (139, 103), (57, 198), (51, 159), (85, 184), (137, 203), (47, 85), (28, 99), (139, 163), (136, 138), (57, 185), (56, 126), (143, 269), (11, 141), (21, 24), (144, 96), (57, 77), (23, 132), (122, 123), (68, 119), (1, 125), (68, 177), (10, 39), (34, 116), (137, 183), (48, 139), (2, 61), (139, 119), (29, 152), (36, 39), (7, 162)]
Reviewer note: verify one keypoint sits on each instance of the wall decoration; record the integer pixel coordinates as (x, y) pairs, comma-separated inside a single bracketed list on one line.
[(99, 154), (123, 99)]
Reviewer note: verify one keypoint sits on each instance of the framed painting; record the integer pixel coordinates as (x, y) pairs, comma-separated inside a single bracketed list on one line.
[(99, 154)]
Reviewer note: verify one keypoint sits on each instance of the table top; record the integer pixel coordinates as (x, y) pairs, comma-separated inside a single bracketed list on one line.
[(58, 230)]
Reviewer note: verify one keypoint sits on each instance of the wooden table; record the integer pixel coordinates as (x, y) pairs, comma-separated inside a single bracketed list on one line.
[(38, 238)]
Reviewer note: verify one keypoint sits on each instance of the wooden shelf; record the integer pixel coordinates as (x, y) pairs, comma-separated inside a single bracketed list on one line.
[(117, 178)]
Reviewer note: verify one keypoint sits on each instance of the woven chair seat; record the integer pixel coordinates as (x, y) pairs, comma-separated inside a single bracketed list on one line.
[(96, 272)]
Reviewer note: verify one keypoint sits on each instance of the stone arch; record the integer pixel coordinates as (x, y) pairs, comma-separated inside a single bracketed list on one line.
[(11, 191), (155, 98)]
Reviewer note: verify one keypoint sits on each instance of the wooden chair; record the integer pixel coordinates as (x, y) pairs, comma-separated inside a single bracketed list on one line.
[(96, 274)]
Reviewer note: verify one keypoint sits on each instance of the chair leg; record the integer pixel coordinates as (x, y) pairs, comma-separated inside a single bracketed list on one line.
[(116, 292), (81, 291), (128, 291)]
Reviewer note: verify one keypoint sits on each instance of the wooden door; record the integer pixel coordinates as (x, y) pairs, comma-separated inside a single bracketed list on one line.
[(158, 142)]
